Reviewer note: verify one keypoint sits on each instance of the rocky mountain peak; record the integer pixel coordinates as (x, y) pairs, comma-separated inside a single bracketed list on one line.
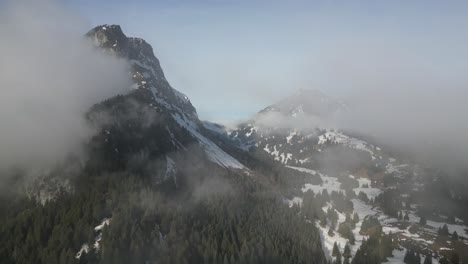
[(146, 70)]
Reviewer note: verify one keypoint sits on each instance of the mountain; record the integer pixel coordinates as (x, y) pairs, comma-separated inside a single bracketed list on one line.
[(310, 103), (295, 130), (385, 191), (146, 71), (154, 186), (149, 78)]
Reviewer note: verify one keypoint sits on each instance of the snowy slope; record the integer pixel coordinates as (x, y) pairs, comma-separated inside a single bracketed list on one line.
[(425, 237), (215, 153)]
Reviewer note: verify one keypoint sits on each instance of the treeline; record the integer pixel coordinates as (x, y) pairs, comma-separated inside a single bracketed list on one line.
[(147, 227)]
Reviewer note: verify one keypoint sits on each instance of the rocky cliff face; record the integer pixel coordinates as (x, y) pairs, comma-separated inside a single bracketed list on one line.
[(145, 70)]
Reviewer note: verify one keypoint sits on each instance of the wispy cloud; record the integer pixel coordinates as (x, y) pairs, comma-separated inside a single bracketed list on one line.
[(50, 75)]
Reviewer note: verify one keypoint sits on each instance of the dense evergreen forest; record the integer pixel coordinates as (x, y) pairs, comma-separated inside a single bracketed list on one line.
[(150, 227)]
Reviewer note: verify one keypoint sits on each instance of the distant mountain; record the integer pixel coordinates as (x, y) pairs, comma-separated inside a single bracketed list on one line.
[(295, 130), (382, 187), (309, 103)]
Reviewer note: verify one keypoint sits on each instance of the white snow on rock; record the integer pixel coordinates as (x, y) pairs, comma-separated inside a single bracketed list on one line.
[(104, 222), (392, 168), (215, 127), (339, 138), (291, 135), (215, 153), (98, 229), (329, 183), (281, 157), (84, 249), (170, 168), (295, 201), (303, 170), (248, 134)]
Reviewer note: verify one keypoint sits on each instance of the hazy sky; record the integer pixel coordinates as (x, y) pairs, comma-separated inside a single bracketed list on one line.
[(232, 58)]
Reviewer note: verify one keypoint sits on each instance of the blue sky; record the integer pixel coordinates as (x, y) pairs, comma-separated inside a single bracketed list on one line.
[(233, 58)]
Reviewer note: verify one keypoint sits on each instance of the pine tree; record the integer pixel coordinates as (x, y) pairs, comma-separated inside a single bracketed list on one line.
[(355, 218), (407, 257), (338, 259), (455, 259), (444, 230), (347, 251), (443, 260), (348, 218), (423, 221), (406, 218), (455, 235), (346, 260), (336, 250), (428, 259)]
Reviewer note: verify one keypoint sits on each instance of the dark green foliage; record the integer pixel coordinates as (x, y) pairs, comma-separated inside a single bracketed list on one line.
[(455, 259), (412, 257), (312, 207), (145, 226), (371, 225), (336, 250), (390, 202), (443, 260), (423, 221), (332, 215), (443, 231), (406, 217), (428, 259), (355, 218), (375, 250), (341, 203), (346, 231), (368, 252), (347, 251)]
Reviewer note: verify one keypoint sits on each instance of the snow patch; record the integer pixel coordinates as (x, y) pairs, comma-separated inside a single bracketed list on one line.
[(215, 153), (339, 138)]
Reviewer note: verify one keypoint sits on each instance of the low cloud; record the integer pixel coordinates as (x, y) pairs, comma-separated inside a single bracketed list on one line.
[(403, 93), (50, 75)]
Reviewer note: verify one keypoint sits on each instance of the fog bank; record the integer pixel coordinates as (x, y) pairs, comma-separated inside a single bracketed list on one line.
[(49, 77)]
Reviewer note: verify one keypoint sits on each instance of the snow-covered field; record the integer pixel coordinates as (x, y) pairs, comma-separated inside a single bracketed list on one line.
[(339, 138), (388, 223), (365, 187)]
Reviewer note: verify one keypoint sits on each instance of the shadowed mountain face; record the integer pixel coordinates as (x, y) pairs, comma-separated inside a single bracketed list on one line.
[(146, 70)]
